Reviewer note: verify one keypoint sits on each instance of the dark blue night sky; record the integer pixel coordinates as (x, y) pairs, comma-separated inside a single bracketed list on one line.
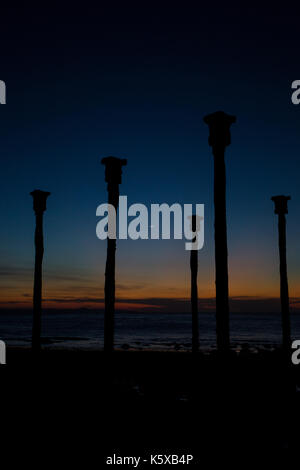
[(84, 83)]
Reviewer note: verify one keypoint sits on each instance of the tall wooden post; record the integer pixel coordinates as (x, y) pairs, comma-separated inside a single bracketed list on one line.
[(219, 138), (39, 206), (194, 290), (113, 177), (281, 208)]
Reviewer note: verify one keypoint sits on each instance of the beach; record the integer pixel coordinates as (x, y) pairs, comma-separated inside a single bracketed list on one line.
[(146, 401)]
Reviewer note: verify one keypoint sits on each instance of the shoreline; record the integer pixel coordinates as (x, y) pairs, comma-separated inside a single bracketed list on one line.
[(167, 400)]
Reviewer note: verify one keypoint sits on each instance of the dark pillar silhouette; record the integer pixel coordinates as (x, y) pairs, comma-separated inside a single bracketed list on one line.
[(113, 177), (281, 208), (194, 290), (219, 138), (39, 206)]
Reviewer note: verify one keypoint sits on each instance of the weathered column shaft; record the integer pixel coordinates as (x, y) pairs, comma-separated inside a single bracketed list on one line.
[(281, 208), (37, 289), (113, 177), (194, 300), (109, 287), (221, 251), (39, 206), (284, 289), (194, 288)]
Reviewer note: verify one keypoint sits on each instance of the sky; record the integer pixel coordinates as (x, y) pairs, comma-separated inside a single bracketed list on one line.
[(136, 82)]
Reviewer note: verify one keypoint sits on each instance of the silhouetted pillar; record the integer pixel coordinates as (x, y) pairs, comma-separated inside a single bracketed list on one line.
[(281, 208), (39, 206), (219, 138), (113, 177), (194, 291)]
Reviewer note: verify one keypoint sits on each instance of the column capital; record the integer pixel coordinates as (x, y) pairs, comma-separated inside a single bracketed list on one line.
[(281, 206), (113, 169), (219, 128), (39, 200)]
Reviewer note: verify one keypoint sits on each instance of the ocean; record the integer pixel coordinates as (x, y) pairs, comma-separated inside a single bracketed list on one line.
[(143, 331)]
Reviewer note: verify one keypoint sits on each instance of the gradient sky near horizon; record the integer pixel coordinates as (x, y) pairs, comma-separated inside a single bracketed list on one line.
[(135, 83)]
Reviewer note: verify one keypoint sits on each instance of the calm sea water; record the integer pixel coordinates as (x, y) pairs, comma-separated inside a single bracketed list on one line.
[(138, 331)]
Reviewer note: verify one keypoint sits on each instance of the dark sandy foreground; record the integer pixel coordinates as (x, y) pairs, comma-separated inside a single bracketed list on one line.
[(90, 406)]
